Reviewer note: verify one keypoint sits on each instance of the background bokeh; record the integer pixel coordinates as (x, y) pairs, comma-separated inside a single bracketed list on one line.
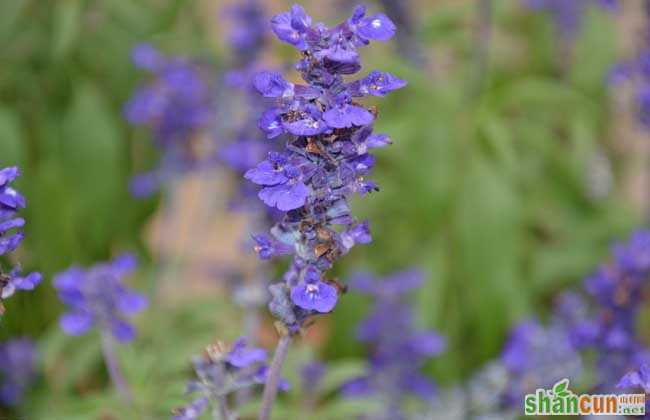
[(506, 183)]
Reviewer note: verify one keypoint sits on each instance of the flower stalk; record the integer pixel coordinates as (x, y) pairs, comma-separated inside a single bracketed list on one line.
[(114, 369), (274, 376)]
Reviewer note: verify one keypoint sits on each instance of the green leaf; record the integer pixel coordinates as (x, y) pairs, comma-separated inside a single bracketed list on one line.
[(488, 257), (94, 160)]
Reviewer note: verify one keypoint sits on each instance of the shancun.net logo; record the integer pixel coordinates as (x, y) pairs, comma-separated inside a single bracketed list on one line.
[(560, 401)]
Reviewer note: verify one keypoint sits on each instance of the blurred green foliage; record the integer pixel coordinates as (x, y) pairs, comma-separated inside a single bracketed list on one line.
[(489, 192), (486, 189), (66, 75)]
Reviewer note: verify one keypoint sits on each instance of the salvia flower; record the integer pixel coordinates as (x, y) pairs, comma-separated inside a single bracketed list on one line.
[(18, 359), (176, 105), (11, 202), (222, 371), (398, 349), (97, 296), (326, 158)]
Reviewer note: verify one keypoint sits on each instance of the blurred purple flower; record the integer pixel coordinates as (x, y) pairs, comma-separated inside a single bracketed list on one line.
[(97, 297), (398, 349), (17, 369), (176, 105)]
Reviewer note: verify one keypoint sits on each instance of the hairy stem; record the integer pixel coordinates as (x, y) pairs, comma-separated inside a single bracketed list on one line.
[(273, 379), (113, 367)]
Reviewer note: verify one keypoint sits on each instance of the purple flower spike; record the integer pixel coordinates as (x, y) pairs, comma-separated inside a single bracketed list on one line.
[(398, 350), (326, 157), (97, 296), (11, 201), (176, 105)]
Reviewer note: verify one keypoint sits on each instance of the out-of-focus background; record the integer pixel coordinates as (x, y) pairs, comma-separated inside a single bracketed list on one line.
[(509, 177)]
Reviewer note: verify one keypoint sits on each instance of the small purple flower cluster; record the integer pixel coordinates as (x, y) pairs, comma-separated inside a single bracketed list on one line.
[(537, 357), (533, 357), (326, 159), (11, 201), (221, 372), (17, 369), (605, 322), (398, 350), (97, 296), (177, 106), (568, 15), (608, 324)]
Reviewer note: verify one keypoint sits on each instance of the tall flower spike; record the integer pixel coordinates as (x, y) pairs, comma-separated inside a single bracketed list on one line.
[(176, 105), (324, 162), (11, 202), (398, 349), (97, 297), (326, 159)]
